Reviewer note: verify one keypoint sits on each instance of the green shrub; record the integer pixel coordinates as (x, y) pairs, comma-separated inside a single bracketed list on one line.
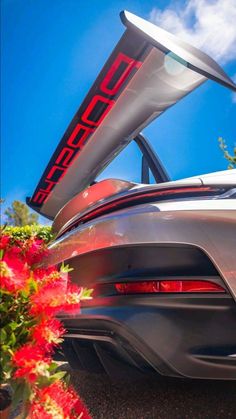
[(25, 232)]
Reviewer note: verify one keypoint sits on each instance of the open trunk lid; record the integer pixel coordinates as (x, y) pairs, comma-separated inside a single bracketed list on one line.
[(148, 71)]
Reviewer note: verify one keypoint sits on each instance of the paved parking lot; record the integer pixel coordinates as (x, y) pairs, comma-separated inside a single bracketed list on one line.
[(152, 398)]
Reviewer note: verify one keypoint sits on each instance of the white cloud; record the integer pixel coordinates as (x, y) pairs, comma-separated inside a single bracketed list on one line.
[(208, 24)]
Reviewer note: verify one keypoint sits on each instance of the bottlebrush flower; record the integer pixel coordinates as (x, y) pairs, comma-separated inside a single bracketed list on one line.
[(47, 292), (13, 273), (57, 401), (48, 333), (31, 362), (4, 241), (49, 299), (14, 252), (73, 295), (35, 251), (46, 275), (55, 297)]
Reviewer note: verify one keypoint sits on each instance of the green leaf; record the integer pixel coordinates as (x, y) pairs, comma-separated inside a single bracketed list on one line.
[(18, 389), (53, 366), (66, 378), (87, 294), (25, 294), (57, 376), (26, 392), (43, 381), (65, 268), (10, 352), (3, 335), (33, 285), (13, 325), (12, 339)]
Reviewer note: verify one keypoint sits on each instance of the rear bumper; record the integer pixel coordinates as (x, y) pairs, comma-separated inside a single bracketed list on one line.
[(190, 336), (101, 345), (171, 336)]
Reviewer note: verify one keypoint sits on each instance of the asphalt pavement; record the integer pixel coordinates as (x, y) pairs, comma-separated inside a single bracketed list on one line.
[(154, 398)]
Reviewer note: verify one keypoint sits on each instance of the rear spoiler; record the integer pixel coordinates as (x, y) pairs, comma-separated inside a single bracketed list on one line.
[(148, 71)]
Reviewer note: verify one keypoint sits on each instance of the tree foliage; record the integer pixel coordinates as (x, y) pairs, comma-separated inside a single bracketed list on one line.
[(231, 158), (26, 232), (18, 214)]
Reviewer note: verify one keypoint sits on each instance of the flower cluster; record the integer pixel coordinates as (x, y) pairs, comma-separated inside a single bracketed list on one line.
[(31, 298), (57, 402)]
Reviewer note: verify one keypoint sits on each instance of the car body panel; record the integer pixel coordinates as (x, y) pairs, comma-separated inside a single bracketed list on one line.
[(147, 224), (109, 189)]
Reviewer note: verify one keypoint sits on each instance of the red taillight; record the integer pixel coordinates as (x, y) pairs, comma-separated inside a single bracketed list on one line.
[(168, 286), (138, 287)]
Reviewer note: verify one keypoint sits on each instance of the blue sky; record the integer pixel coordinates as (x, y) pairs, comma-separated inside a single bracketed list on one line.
[(52, 52)]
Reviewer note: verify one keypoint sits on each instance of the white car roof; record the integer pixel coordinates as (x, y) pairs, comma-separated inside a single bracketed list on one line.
[(220, 178)]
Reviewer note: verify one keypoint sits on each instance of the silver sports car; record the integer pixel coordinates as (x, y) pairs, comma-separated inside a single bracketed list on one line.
[(160, 257)]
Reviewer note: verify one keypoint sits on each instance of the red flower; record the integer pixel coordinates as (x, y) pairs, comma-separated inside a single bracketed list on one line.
[(57, 296), (35, 251), (48, 333), (37, 411), (72, 303), (14, 252), (31, 362), (14, 273), (46, 275), (4, 241), (79, 408), (49, 299), (57, 401)]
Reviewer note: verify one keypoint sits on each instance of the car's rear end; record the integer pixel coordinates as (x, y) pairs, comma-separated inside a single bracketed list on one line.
[(161, 258), (161, 262)]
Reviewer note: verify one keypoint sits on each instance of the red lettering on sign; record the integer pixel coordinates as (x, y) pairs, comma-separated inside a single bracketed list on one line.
[(50, 185), (120, 59), (95, 100), (73, 141), (56, 170), (65, 157), (40, 197), (97, 109)]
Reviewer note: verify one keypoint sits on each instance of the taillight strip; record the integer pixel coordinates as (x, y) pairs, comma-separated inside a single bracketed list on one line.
[(168, 286), (122, 201)]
